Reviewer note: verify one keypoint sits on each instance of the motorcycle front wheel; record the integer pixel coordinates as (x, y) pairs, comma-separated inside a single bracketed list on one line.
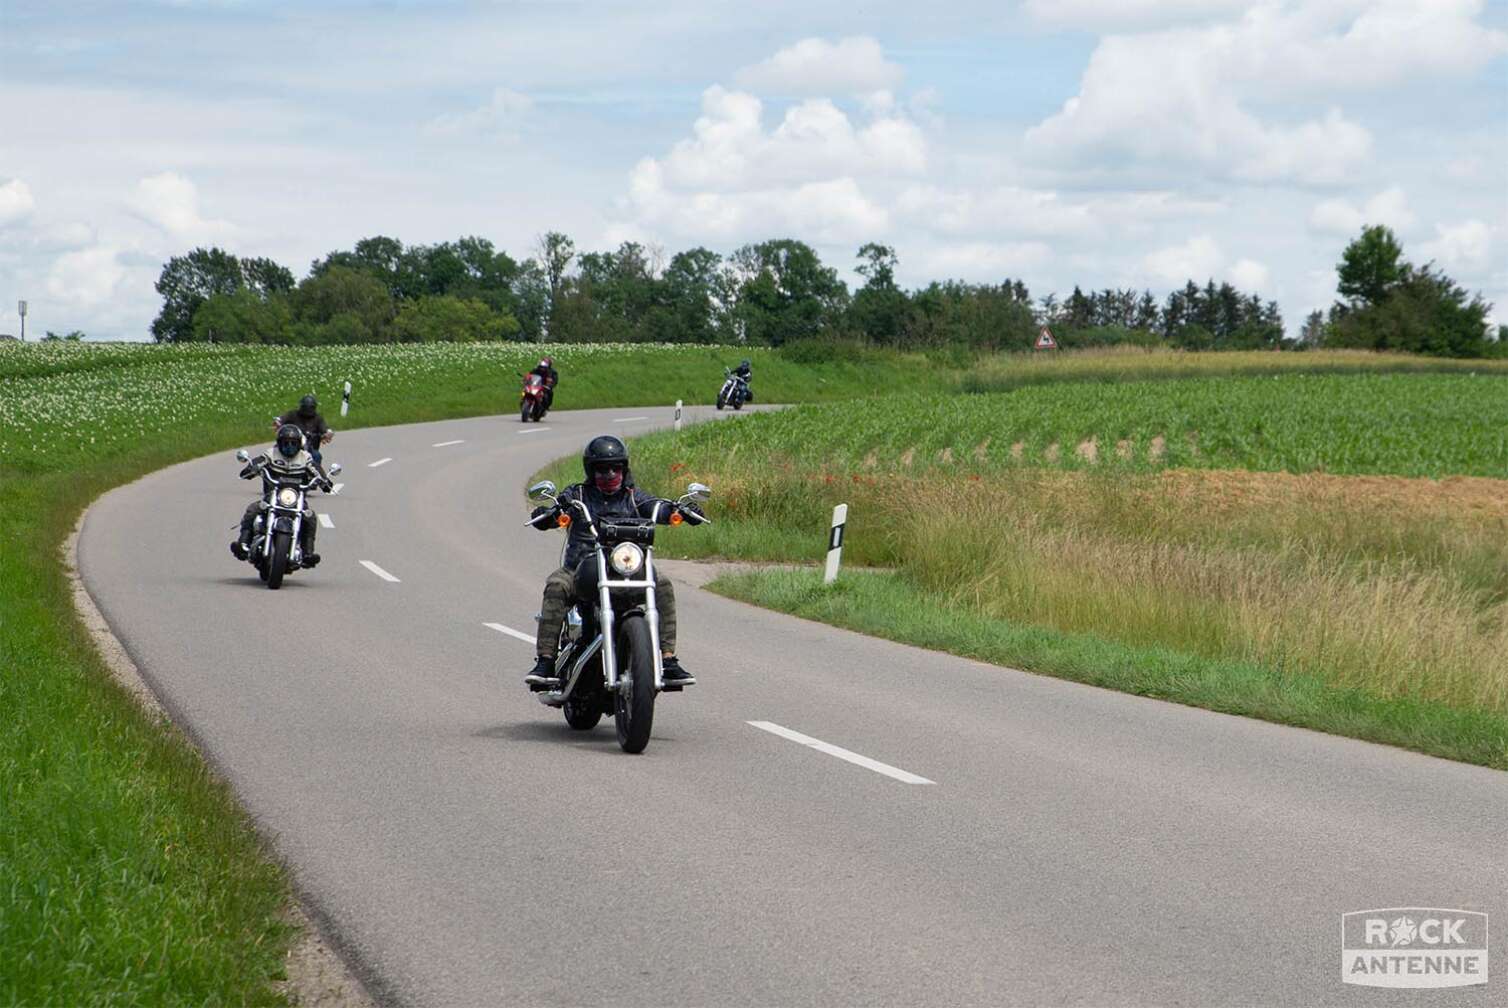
[(524, 411), (277, 563), (634, 705)]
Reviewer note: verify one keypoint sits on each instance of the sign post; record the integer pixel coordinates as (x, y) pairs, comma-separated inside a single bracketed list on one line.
[(835, 543), (345, 400), (678, 414), (21, 308), (1045, 340)]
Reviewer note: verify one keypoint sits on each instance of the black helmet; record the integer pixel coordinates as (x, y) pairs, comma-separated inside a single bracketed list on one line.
[(744, 364), (290, 440), (307, 406), (603, 448)]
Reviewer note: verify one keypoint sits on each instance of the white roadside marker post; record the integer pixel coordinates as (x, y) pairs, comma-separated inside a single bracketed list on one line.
[(345, 400), (677, 414), (835, 543)]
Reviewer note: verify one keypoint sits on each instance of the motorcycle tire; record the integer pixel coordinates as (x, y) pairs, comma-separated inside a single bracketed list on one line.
[(277, 563), (634, 705), (583, 714), (738, 403), (721, 402), (523, 412)]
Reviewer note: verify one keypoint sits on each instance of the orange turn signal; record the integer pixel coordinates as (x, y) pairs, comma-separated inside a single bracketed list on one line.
[(563, 520), (675, 518)]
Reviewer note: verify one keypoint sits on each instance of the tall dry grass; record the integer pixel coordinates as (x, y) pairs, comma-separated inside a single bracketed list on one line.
[(1355, 592)]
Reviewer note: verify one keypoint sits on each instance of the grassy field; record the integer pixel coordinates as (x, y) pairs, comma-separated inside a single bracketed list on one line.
[(1345, 536), (127, 873)]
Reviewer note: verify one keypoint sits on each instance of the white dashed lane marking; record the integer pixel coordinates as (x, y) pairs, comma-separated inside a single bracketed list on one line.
[(374, 465), (378, 571), (534, 430), (630, 419), (447, 444), (324, 520), (510, 632), (840, 753)]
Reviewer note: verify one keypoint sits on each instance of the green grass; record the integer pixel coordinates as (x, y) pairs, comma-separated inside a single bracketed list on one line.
[(128, 875), (1410, 425), (893, 607)]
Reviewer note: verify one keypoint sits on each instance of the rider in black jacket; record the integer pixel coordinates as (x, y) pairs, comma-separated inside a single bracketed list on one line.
[(746, 372), (308, 419), (608, 491), (287, 457), (546, 370)]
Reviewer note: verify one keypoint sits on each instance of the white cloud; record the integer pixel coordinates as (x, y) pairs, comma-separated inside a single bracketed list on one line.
[(1199, 257), (1467, 245), (734, 179), (15, 202), (983, 261), (1250, 277), (171, 202), (1341, 217), (87, 278), (1158, 100), (503, 111), (815, 66)]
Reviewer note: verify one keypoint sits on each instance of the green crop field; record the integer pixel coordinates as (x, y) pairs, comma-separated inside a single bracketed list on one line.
[(1410, 425)]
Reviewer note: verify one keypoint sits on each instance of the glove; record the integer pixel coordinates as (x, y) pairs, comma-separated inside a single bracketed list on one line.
[(538, 515), (326, 486), (692, 513)]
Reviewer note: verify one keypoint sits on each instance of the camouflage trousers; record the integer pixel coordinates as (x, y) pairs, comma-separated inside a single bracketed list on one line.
[(560, 594)]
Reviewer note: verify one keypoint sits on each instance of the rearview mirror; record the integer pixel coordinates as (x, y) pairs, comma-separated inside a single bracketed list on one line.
[(335, 468), (241, 455), (700, 491), (542, 490)]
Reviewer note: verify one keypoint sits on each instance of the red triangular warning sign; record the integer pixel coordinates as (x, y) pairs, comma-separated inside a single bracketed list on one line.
[(1045, 340)]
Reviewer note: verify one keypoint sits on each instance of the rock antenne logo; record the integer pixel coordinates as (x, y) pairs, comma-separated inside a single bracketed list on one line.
[(1413, 947)]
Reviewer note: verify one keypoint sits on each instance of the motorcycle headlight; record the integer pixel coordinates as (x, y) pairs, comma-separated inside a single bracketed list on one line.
[(287, 497), (626, 558)]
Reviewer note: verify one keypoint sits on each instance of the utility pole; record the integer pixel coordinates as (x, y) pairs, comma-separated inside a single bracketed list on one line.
[(21, 307)]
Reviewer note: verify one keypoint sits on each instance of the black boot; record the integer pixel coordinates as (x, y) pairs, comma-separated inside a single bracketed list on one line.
[(541, 678), (674, 676), (239, 551)]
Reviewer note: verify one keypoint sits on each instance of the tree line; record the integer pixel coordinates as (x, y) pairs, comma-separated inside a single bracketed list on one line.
[(767, 293)]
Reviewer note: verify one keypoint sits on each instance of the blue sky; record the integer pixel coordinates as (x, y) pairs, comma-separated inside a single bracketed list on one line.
[(1098, 142)]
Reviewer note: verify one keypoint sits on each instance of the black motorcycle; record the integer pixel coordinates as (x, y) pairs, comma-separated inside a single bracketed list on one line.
[(609, 660), (735, 390), (274, 550)]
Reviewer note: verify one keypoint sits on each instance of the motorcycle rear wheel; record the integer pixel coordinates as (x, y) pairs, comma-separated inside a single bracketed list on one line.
[(277, 563), (634, 705)]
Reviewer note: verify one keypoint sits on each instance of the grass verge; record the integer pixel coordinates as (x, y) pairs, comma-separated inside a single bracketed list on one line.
[(893, 607)]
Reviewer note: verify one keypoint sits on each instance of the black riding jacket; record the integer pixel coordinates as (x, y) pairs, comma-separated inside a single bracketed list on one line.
[(314, 427), (549, 374), (628, 502), (301, 467)]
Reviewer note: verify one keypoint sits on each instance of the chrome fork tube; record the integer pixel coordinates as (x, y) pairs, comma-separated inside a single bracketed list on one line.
[(605, 611), (653, 614)]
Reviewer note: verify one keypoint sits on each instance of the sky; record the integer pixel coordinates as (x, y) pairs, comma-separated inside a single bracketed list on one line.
[(1104, 143)]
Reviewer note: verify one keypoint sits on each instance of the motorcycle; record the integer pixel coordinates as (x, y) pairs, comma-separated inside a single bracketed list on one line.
[(735, 390), (531, 404), (609, 660), (274, 549)]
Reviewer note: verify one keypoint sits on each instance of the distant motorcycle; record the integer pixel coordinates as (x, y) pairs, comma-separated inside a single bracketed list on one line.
[(533, 402), (274, 549), (609, 660), (735, 390)]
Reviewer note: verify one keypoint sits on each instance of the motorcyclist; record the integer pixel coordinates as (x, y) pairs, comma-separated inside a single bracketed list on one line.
[(745, 372), (546, 370), (308, 419), (608, 491), (287, 457)]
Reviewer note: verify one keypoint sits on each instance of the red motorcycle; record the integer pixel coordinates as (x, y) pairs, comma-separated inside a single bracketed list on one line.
[(535, 399)]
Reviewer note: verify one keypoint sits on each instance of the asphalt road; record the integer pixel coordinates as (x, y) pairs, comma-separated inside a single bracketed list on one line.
[(1072, 846)]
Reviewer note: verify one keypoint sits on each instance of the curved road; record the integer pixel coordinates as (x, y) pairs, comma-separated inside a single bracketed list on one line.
[(1069, 845)]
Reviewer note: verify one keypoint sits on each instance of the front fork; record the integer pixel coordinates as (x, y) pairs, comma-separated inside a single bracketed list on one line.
[(609, 623)]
